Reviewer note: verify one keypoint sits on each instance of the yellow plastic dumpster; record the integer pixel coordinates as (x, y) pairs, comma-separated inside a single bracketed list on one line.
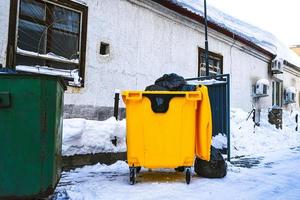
[(161, 129)]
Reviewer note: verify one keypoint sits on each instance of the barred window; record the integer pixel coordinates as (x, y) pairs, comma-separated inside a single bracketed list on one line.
[(215, 63), (51, 39)]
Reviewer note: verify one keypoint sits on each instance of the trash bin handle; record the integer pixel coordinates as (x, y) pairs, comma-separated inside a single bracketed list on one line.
[(5, 100), (195, 96), (132, 95)]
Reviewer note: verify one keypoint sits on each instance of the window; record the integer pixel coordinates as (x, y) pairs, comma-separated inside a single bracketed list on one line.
[(277, 91), (104, 49), (215, 63), (50, 38)]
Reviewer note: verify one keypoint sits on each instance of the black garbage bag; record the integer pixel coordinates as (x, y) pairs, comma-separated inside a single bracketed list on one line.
[(187, 88), (155, 88), (171, 82), (215, 168)]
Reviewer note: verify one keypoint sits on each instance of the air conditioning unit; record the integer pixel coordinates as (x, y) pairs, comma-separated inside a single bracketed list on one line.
[(277, 66), (290, 95), (261, 88)]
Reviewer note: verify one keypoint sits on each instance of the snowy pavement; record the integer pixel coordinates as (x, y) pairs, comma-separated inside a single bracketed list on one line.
[(274, 175), (266, 164)]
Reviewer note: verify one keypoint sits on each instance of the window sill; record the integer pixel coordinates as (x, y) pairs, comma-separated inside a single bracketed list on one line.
[(71, 76), (48, 56)]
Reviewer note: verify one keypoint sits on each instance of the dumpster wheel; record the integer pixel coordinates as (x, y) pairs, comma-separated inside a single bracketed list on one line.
[(188, 175), (132, 175)]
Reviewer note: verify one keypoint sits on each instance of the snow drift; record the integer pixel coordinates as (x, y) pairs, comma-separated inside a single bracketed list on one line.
[(82, 136)]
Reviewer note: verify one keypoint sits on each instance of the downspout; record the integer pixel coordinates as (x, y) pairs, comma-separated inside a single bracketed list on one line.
[(206, 41)]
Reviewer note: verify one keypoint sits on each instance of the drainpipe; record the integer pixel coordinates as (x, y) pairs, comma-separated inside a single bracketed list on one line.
[(206, 41)]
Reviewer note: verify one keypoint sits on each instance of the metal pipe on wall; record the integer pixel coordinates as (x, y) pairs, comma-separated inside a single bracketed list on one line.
[(206, 41)]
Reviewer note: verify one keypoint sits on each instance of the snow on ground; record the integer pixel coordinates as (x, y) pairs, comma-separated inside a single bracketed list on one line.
[(82, 136), (265, 165), (274, 176), (249, 140)]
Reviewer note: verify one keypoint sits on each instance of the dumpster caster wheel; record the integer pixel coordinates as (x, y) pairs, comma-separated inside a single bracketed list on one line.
[(138, 169), (132, 175), (188, 175)]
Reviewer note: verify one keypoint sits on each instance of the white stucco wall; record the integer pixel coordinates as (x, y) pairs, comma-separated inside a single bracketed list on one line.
[(4, 20), (147, 41), (290, 79)]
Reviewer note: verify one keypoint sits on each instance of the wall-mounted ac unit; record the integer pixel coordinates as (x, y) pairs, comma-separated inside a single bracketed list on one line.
[(261, 88), (277, 66), (290, 95)]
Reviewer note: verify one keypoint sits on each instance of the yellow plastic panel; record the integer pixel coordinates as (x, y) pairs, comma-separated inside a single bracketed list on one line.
[(161, 140), (203, 125)]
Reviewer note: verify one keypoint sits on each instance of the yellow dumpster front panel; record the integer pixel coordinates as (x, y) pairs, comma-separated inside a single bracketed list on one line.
[(162, 138)]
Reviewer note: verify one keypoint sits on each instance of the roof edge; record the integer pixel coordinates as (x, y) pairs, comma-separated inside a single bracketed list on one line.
[(287, 63), (172, 6)]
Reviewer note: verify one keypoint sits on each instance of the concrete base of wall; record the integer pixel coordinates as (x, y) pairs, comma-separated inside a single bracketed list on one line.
[(72, 162), (91, 112)]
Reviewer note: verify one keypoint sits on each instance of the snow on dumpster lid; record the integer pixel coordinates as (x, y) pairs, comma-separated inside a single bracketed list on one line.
[(261, 38)]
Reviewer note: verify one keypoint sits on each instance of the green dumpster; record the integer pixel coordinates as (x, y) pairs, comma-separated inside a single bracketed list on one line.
[(31, 111)]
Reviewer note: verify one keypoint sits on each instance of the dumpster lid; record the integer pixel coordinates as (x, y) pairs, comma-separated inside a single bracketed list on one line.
[(7, 71), (12, 73)]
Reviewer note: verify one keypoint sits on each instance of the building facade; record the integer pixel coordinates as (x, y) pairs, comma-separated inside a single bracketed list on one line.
[(102, 45)]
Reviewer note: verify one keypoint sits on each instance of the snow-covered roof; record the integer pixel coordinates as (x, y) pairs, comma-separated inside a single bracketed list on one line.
[(255, 35)]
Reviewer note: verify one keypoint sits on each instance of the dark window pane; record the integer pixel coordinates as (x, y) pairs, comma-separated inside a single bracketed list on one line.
[(59, 65), (31, 37), (63, 44), (29, 61), (65, 19), (32, 9), (56, 31)]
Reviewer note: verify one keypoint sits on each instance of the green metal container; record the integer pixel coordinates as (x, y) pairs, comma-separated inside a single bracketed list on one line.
[(31, 117)]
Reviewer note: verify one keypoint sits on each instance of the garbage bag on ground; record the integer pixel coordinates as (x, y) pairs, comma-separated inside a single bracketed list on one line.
[(215, 168)]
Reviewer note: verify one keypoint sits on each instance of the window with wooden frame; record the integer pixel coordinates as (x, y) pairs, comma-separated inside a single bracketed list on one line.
[(215, 63), (48, 37), (277, 93)]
